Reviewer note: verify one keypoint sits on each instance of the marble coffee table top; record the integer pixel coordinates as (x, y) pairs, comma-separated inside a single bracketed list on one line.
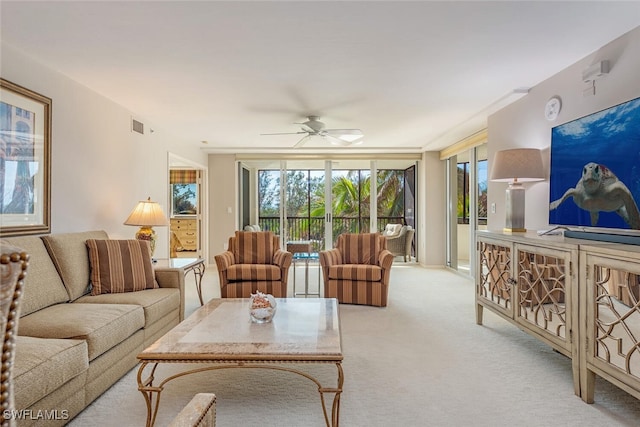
[(301, 330)]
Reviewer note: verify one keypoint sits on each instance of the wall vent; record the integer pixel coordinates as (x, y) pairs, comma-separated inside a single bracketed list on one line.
[(137, 126)]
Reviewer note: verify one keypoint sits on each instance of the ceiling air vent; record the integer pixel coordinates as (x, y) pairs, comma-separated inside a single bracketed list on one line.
[(137, 126)]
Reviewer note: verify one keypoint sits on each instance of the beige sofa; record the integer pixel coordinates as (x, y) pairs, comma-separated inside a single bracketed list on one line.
[(72, 346)]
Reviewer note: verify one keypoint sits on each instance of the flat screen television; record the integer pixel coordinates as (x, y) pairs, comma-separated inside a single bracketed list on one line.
[(595, 171)]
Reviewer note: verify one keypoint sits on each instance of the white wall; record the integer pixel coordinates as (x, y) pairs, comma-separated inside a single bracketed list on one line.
[(522, 124), (99, 168), (431, 226), (223, 178)]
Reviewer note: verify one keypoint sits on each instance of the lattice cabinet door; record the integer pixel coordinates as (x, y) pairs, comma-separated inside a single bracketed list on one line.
[(545, 295), (612, 317), (493, 278), (546, 299)]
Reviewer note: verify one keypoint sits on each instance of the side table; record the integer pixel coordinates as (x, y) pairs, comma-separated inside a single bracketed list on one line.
[(306, 258), (186, 264), (301, 250)]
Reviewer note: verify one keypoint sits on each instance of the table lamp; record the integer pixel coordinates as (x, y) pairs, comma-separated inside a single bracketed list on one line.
[(147, 214), (516, 166)]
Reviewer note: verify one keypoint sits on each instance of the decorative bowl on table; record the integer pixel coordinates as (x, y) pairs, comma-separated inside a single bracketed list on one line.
[(262, 307)]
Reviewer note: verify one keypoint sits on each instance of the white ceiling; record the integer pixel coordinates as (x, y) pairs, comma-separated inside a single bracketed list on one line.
[(412, 75)]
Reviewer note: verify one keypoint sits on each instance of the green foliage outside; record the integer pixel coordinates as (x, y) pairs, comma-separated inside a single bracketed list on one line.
[(463, 191), (351, 198), (184, 197)]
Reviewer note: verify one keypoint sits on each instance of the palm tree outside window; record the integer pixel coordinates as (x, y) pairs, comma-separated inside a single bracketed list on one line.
[(305, 205)]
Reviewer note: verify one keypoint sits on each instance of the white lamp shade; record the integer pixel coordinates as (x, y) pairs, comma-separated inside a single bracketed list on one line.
[(519, 165), (147, 213)]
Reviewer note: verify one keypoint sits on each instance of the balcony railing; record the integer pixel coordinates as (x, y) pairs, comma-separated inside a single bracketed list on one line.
[(312, 228)]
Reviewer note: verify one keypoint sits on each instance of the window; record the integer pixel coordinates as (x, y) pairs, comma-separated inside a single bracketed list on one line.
[(463, 192), (351, 197), (184, 199), (269, 200), (482, 192), (184, 191)]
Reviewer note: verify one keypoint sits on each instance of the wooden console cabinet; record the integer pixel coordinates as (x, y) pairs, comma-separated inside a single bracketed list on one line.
[(610, 309), (578, 296), (186, 230)]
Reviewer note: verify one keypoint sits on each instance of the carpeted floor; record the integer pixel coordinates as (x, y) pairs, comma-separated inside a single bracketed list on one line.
[(421, 361)]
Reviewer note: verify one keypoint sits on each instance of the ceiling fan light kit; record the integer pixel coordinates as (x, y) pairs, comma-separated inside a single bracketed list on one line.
[(314, 127)]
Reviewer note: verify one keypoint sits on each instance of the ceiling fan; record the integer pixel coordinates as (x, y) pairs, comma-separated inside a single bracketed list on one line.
[(314, 127)]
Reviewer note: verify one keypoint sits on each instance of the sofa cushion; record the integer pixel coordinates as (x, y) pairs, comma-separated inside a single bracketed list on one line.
[(157, 303), (70, 256), (43, 365), (365, 272), (42, 284), (103, 326), (253, 272), (120, 266)]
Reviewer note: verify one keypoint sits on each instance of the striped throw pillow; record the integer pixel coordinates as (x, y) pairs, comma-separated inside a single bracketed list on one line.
[(120, 266)]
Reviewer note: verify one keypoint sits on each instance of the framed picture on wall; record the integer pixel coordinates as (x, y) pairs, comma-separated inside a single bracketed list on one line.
[(25, 161)]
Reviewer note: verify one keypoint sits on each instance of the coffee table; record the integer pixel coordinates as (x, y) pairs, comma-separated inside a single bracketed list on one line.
[(220, 335)]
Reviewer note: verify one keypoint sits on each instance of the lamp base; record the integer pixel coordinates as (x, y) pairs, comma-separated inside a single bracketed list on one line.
[(148, 234), (514, 208)]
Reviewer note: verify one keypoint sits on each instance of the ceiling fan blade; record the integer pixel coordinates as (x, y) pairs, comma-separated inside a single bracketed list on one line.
[(337, 141), (302, 141), (284, 133), (344, 131), (348, 134)]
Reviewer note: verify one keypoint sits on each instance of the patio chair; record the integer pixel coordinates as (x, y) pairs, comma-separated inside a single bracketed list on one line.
[(253, 262), (399, 244), (357, 270)]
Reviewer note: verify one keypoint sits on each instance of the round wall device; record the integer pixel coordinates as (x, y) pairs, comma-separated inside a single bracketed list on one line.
[(552, 108)]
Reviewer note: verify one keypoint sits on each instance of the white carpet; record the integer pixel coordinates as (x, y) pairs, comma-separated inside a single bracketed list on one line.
[(421, 361)]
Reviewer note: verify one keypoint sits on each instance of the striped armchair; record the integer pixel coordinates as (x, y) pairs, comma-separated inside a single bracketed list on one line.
[(253, 262), (357, 270)]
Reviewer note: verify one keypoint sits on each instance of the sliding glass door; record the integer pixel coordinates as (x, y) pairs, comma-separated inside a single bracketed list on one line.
[(317, 200), (467, 192), (350, 195), (304, 201), (269, 200)]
